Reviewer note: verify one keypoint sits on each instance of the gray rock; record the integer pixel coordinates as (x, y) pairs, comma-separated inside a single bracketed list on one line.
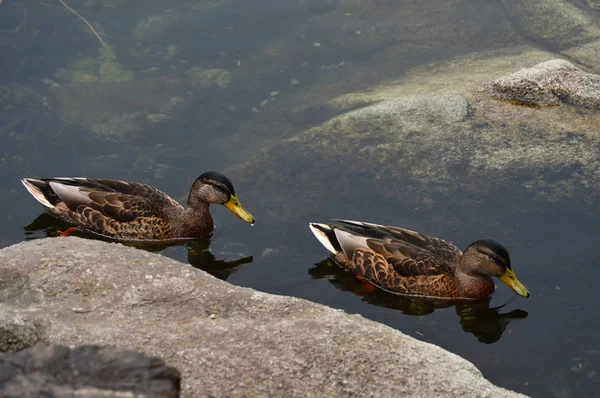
[(397, 151), (225, 340), (550, 83), (585, 55), (558, 24), (392, 148), (87, 371), (456, 76), (435, 109), (17, 331)]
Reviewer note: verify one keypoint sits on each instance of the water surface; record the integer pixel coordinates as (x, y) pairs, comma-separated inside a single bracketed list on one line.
[(543, 346)]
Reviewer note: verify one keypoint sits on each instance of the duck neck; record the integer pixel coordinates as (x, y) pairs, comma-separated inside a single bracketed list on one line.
[(474, 286), (196, 221)]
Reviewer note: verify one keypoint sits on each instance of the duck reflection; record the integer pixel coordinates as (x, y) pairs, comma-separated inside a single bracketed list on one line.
[(476, 317), (198, 250)]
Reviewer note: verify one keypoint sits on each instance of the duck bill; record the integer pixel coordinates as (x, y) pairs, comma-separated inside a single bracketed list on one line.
[(511, 280), (236, 208)]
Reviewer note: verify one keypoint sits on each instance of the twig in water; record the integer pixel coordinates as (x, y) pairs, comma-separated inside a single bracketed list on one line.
[(84, 20)]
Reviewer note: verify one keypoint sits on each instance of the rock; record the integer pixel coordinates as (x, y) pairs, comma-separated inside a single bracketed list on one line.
[(200, 78), (155, 26), (86, 371), (432, 137), (585, 55), (102, 69), (121, 111), (16, 94), (94, 103), (550, 83), (559, 24), (17, 331), (256, 344), (459, 75), (357, 26)]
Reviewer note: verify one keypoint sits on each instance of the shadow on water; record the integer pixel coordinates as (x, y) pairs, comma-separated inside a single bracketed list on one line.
[(476, 317), (198, 250)]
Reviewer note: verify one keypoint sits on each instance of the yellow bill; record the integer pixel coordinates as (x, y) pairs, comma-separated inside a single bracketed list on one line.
[(511, 280), (236, 208)]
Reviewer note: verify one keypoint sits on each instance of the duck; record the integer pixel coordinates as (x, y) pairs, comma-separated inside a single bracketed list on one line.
[(132, 211), (406, 262)]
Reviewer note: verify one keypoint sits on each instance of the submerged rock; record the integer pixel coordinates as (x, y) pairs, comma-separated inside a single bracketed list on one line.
[(550, 83), (559, 24), (87, 371), (585, 55), (126, 127), (201, 78), (396, 151), (122, 111), (154, 26), (17, 94), (225, 340), (103, 69)]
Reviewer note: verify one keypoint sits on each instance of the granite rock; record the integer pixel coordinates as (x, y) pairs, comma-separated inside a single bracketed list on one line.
[(87, 371), (225, 340), (550, 83)]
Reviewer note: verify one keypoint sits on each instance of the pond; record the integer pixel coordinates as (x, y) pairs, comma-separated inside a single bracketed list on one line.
[(192, 86)]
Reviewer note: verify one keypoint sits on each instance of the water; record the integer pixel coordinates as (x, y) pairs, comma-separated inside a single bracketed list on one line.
[(546, 345)]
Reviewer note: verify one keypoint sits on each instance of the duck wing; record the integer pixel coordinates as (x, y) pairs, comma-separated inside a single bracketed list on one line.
[(118, 200), (409, 253)]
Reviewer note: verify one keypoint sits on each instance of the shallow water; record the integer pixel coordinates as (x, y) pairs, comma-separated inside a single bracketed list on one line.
[(546, 345)]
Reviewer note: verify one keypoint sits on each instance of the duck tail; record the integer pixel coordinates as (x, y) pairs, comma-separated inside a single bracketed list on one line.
[(325, 234), (41, 191)]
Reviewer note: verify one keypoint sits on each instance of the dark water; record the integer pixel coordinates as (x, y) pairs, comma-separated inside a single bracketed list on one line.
[(547, 345)]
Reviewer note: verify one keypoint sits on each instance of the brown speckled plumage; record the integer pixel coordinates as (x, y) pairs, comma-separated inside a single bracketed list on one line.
[(133, 211), (407, 262)]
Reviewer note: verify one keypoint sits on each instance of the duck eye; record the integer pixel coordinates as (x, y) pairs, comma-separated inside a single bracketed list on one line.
[(222, 188), (495, 258)]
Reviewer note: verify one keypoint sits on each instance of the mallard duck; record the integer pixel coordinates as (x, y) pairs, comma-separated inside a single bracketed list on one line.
[(133, 211), (402, 261)]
